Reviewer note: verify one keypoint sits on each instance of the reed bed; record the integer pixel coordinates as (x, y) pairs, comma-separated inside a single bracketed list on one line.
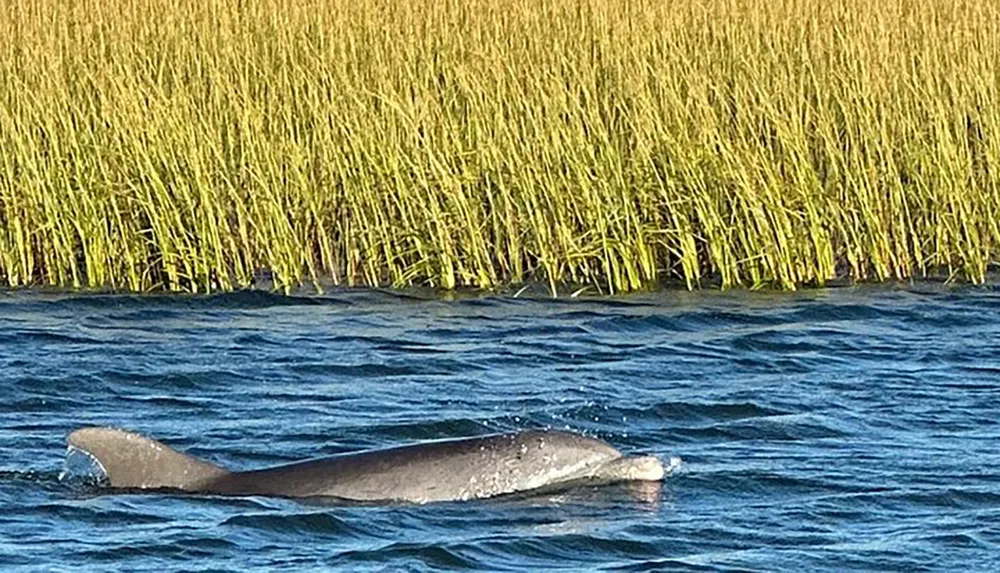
[(189, 144)]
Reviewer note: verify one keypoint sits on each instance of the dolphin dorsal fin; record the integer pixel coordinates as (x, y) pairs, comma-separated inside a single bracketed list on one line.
[(131, 460)]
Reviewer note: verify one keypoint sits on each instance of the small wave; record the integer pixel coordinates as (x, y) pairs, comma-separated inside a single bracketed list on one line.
[(556, 551), (256, 340), (256, 299), (582, 315), (751, 483), (33, 336), (170, 402), (625, 324), (960, 540), (29, 476), (694, 351), (408, 555), (714, 410), (410, 348), (844, 312), (38, 404), (539, 331), (367, 370), (677, 414), (806, 428), (427, 430), (102, 517), (204, 378), (668, 564), (773, 342), (939, 498), (320, 523), (145, 553)]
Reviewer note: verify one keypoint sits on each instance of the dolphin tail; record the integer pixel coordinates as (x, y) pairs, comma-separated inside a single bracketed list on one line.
[(133, 461)]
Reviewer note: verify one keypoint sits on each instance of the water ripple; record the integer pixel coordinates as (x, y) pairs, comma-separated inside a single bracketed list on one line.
[(839, 429)]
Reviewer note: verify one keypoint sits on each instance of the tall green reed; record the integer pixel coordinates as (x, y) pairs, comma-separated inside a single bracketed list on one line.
[(182, 145)]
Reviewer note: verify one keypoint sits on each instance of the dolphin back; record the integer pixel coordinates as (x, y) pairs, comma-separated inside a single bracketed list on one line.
[(448, 470), (131, 460)]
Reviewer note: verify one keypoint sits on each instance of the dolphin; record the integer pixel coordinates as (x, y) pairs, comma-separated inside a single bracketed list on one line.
[(445, 470)]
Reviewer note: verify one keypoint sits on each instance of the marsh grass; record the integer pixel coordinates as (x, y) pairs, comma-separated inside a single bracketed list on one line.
[(187, 144)]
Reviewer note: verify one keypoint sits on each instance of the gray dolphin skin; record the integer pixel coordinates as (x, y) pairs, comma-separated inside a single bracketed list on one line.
[(447, 470)]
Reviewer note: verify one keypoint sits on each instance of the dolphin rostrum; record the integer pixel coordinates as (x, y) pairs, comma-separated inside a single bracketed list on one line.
[(447, 470)]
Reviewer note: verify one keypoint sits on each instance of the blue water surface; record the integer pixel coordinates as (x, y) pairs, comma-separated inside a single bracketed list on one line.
[(852, 428)]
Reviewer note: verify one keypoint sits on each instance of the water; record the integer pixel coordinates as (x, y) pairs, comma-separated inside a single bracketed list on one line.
[(850, 428)]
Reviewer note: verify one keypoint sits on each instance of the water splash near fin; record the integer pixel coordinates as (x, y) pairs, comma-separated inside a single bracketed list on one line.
[(80, 466)]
